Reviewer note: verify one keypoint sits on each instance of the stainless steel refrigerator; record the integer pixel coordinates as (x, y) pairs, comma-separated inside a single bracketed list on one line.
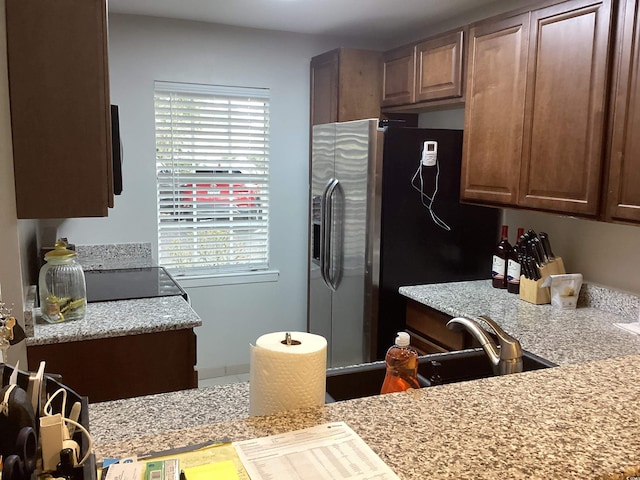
[(385, 212)]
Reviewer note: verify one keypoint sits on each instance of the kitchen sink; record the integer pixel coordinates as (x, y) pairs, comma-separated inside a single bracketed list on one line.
[(366, 380)]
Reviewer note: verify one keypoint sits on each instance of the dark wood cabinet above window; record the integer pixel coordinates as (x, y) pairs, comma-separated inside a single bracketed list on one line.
[(60, 107)]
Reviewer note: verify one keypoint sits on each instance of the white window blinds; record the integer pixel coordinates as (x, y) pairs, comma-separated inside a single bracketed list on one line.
[(212, 166)]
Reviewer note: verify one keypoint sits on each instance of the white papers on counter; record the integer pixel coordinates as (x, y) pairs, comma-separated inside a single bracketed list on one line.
[(629, 327), (328, 451)]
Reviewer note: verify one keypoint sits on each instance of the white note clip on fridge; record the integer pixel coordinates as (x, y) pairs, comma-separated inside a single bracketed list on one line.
[(429, 153)]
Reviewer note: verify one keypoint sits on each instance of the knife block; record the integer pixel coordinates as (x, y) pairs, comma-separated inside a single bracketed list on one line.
[(532, 292)]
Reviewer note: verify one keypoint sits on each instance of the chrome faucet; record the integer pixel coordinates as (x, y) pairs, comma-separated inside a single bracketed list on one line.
[(509, 359)]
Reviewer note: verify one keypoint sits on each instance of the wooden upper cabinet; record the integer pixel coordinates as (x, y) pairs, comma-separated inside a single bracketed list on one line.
[(495, 106), (430, 71), (324, 87), (536, 102), (566, 101), (398, 76), (623, 196), (439, 67), (60, 108), (345, 85)]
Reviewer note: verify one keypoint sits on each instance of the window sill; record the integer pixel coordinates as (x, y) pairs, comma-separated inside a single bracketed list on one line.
[(227, 279)]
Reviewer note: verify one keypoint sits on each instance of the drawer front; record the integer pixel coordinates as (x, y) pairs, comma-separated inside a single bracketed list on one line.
[(431, 325), (423, 345)]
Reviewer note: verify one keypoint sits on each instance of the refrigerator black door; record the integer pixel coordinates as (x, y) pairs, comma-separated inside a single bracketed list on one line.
[(414, 250)]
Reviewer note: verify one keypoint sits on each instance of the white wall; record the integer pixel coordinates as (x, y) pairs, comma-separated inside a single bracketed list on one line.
[(144, 49), (605, 253)]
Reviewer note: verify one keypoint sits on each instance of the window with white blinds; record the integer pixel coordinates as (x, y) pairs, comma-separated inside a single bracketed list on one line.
[(212, 166)]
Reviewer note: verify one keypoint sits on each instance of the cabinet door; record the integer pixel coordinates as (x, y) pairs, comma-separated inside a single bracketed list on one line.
[(60, 109), (566, 97), (345, 86), (494, 117), (398, 76), (623, 199), (439, 67), (324, 87)]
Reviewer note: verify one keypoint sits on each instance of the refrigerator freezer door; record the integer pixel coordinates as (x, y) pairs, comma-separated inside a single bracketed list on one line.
[(353, 150), (322, 172), (344, 157)]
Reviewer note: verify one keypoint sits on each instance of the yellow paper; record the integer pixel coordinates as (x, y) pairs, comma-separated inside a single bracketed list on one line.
[(220, 471), (209, 458)]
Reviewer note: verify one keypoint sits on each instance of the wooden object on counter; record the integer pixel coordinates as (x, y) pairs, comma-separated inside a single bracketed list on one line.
[(122, 367), (532, 292)]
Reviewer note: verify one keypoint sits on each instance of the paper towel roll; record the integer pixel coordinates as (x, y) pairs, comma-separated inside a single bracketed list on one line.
[(285, 377)]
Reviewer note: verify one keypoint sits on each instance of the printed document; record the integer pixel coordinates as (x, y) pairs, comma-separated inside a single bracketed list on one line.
[(329, 451)]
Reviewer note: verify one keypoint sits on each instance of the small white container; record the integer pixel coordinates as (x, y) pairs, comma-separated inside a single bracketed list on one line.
[(564, 289)]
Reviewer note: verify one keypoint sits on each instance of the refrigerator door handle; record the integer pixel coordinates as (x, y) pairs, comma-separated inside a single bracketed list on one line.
[(330, 254), (325, 247), (325, 234)]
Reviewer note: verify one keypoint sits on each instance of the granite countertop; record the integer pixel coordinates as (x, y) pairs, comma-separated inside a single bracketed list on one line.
[(561, 336), (578, 421), (120, 318)]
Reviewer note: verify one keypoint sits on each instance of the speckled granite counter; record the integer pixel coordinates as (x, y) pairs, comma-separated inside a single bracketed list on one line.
[(117, 319), (562, 336), (578, 421), (126, 419), (119, 255), (574, 421)]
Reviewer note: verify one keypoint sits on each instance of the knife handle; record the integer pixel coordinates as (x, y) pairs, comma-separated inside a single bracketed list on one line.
[(546, 244), (540, 251)]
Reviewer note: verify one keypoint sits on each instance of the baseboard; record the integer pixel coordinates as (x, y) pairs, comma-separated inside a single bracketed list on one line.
[(214, 372)]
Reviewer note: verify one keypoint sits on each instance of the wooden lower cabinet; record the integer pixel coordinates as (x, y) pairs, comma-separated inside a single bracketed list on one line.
[(122, 367), (429, 333)]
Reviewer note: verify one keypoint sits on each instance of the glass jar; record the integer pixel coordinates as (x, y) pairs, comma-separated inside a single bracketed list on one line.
[(63, 292)]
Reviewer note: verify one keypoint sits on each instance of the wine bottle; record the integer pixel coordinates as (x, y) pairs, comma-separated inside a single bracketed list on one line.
[(500, 257), (513, 266)]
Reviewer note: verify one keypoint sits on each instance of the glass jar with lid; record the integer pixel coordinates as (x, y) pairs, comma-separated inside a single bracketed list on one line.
[(63, 291)]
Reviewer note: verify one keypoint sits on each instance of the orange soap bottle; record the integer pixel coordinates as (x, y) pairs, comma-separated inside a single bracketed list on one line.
[(402, 366)]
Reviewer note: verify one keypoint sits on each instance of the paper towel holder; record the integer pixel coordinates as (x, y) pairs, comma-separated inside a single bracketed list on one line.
[(289, 341)]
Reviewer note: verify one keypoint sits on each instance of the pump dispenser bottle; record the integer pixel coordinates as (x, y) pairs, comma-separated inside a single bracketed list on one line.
[(402, 366)]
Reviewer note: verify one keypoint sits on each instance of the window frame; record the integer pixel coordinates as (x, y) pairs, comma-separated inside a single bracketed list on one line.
[(257, 166)]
